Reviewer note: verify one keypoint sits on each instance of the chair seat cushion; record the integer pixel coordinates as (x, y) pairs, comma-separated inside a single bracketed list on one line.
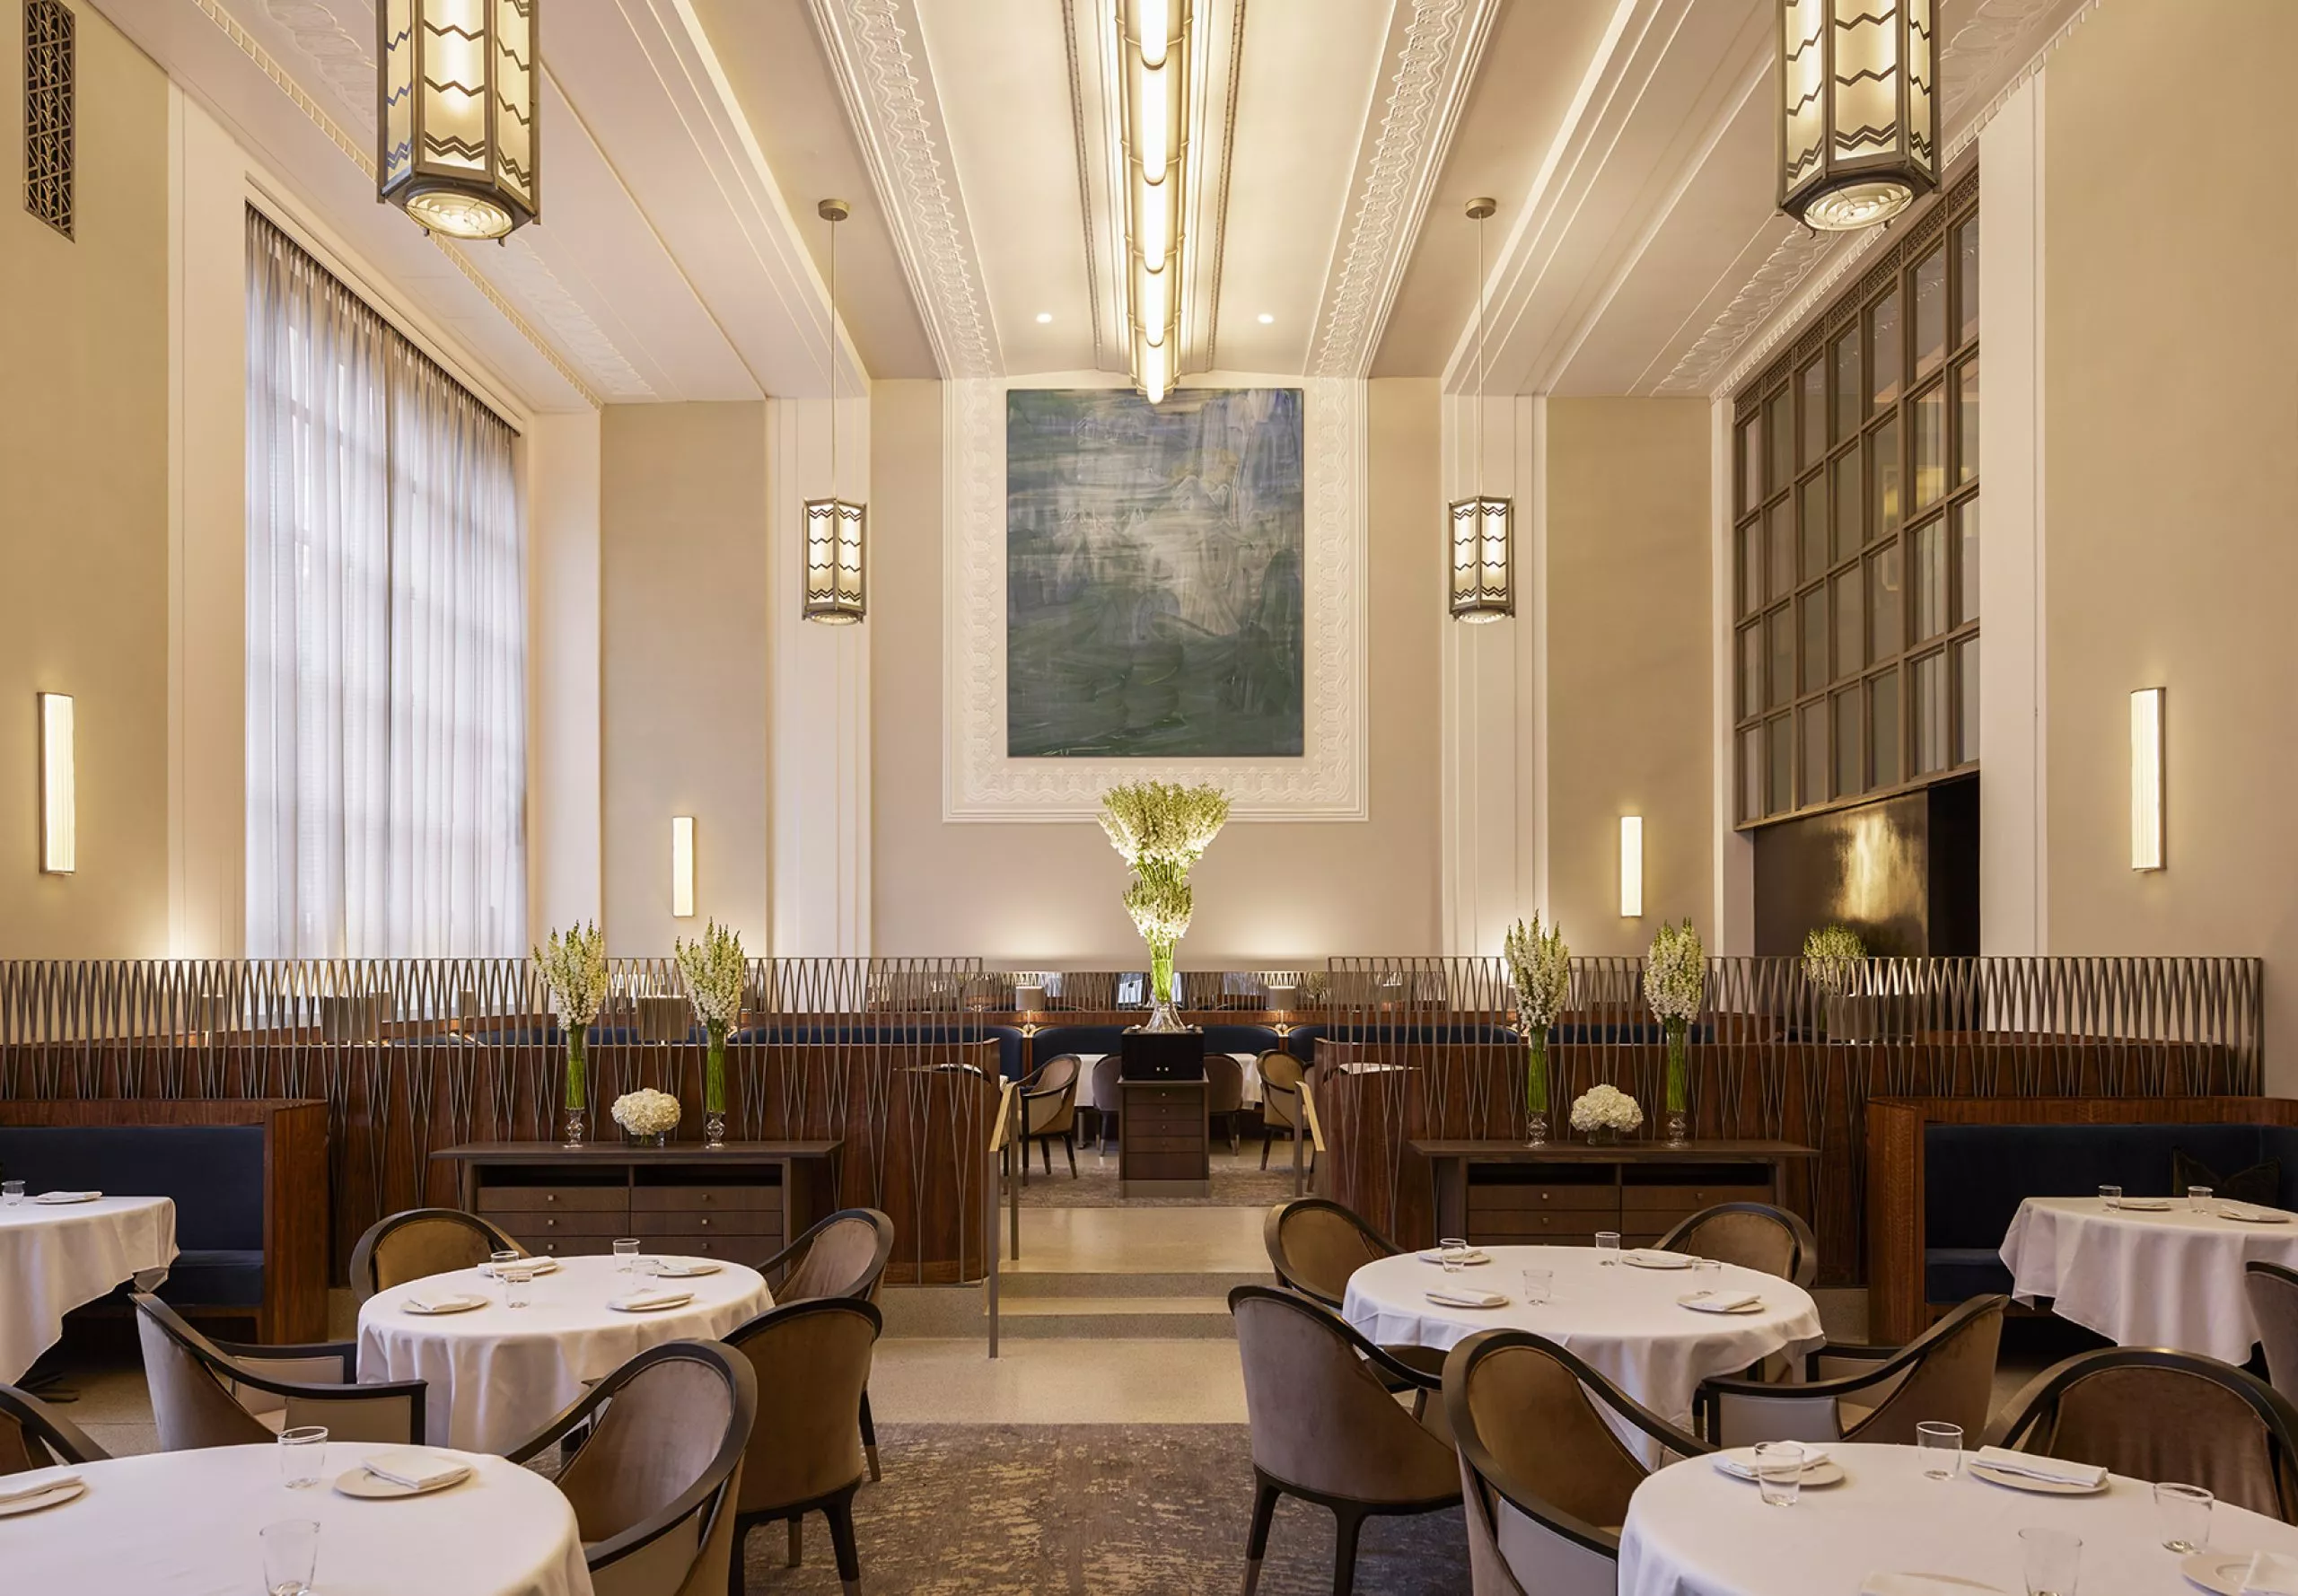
[(215, 1277), (1958, 1274)]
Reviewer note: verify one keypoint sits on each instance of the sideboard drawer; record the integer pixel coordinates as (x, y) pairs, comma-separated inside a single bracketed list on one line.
[(758, 1227), (514, 1199), (661, 1199), (1690, 1199), (526, 1221), (1496, 1196), (1505, 1225), (557, 1246)]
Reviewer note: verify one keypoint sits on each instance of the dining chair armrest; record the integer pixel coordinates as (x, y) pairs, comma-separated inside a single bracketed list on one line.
[(1835, 1360), (573, 1415), (321, 1363), (1397, 1375)]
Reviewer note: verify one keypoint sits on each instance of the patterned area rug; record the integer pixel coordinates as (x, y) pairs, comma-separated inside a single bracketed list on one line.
[(1238, 1182), (1113, 1510)]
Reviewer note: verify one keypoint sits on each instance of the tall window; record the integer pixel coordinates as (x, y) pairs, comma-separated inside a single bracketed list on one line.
[(386, 695), (1855, 664)]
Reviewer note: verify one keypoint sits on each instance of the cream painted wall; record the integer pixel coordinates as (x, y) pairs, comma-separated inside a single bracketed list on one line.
[(2171, 428), (682, 601), (1050, 892), (559, 463), (83, 523), (1629, 664)]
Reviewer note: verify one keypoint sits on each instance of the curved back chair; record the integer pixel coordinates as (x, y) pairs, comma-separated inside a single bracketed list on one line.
[(1546, 1476), (2273, 1290), (409, 1246), (1107, 1069), (210, 1394), (1281, 1075), (1050, 1111), (844, 1256), (656, 1477), (1224, 1092), (813, 1363), (1752, 1235), (1315, 1244), (34, 1435), (1946, 1374), (1326, 1428), (2153, 1414)]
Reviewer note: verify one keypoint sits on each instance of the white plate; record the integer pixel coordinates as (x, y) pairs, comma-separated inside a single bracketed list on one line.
[(539, 1265), (2040, 1487), (1470, 1259), (684, 1268), (1693, 1303), (2255, 1215), (1648, 1259), (1827, 1471), (58, 1198), (65, 1490), (375, 1487), (2146, 1205), (625, 1305), (2217, 1571), (455, 1305), (1497, 1301)]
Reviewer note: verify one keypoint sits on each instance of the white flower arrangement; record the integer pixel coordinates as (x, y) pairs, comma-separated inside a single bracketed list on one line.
[(1606, 1108), (1831, 959), (573, 965), (1160, 903), (1162, 822), (646, 1112), (715, 973), (1675, 973), (1540, 965)]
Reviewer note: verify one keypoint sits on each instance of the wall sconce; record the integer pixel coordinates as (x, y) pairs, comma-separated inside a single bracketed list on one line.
[(2146, 779), (1631, 867), (682, 867), (58, 825)]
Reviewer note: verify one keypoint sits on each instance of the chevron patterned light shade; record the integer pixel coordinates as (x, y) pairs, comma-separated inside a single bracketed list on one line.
[(1858, 110), (456, 137), (1481, 533)]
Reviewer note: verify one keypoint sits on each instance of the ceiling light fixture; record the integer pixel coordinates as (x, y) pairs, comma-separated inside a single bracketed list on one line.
[(1266, 318), (1153, 73), (1480, 525), (1859, 117), (835, 528), (456, 140), (1044, 316)]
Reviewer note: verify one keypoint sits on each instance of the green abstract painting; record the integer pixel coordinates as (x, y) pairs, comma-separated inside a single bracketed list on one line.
[(1153, 574)]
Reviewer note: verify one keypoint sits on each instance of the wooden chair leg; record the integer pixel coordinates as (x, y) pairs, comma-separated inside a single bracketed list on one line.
[(1266, 1139), (870, 1437), (1348, 1525), (797, 1541), (734, 1586), (1045, 1150), (1069, 1145), (1257, 1541), (840, 1514)]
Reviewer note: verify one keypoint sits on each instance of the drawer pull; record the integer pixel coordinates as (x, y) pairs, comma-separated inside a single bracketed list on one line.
[(706, 1223), (551, 1196), (552, 1224)]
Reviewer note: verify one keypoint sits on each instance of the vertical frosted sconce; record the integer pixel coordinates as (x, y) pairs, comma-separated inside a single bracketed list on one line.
[(1631, 867), (58, 825), (682, 867), (2146, 779)]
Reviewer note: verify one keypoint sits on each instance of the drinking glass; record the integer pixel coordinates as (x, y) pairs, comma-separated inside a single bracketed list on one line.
[(1452, 1252), (2271, 1573), (302, 1456), (1779, 1472), (2198, 1198), (2054, 1559), (11, 1192), (2185, 1512), (1942, 1446), (2111, 1196), (625, 1253), (517, 1285), (1608, 1247), (291, 1556), (495, 1261), (1537, 1284)]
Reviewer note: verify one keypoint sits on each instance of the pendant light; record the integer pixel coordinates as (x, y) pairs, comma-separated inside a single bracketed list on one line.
[(1859, 116), (1152, 153), (1480, 526), (456, 141), (835, 528)]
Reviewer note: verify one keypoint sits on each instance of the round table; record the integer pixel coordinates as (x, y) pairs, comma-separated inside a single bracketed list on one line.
[(498, 1373), (1623, 1321), (1693, 1531), (186, 1523), (53, 1257), (2169, 1278)]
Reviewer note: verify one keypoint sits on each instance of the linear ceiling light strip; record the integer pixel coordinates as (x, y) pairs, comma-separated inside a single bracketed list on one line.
[(1153, 69)]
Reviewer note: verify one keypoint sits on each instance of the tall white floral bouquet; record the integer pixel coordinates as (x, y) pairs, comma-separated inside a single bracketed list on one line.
[(1539, 967), (715, 973), (1675, 984), (573, 968), (1831, 958), (1160, 830)]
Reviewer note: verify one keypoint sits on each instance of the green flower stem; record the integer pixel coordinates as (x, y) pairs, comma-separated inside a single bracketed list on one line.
[(1160, 970), (577, 1047), (714, 1070), (1536, 1074), (1679, 1068)]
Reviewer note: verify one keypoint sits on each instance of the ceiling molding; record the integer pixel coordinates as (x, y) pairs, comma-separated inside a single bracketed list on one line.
[(1084, 174), (1209, 294), (891, 108), (1434, 63)]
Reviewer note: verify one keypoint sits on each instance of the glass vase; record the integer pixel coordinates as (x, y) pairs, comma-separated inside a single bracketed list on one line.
[(578, 1127), (1162, 1014), (1536, 1090), (1677, 1126), (713, 1087)]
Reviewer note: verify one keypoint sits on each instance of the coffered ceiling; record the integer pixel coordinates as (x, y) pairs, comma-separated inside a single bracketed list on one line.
[(1332, 145)]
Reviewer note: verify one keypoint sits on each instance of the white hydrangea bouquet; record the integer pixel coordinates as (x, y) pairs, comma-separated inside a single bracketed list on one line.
[(1606, 1111), (1675, 986), (1160, 830), (1831, 958), (1539, 967), (715, 973), (646, 1112), (573, 968)]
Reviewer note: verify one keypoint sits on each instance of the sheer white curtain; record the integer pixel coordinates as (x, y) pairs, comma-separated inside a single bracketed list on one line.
[(386, 702)]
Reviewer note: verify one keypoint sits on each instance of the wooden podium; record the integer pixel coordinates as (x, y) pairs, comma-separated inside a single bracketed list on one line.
[(1163, 1148)]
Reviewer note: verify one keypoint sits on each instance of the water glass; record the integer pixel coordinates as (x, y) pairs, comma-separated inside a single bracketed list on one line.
[(625, 1253), (2198, 1198), (1453, 1252), (1942, 1446), (290, 1557), (11, 1192), (2271, 1573), (2053, 1561), (495, 1261), (1608, 1247), (518, 1285), (2185, 1513), (1779, 1472), (302, 1456), (1537, 1285), (2111, 1196)]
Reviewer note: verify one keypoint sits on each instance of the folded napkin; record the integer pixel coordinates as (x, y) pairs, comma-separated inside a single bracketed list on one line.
[(2255, 1215), (545, 1265), (1740, 1462), (639, 1302), (2148, 1205), (1468, 1299), (1920, 1584), (684, 1268), (418, 1470), (67, 1196), (20, 1488), (1474, 1255), (1651, 1258), (2057, 1470), (1721, 1301), (445, 1301)]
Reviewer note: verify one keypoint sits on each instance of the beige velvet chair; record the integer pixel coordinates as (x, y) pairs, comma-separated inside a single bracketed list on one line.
[(843, 1256), (1545, 1477), (1224, 1092), (812, 1362), (1107, 1070), (420, 1242), (2153, 1414), (656, 1470), (34, 1435), (1874, 1394), (1315, 1244), (1050, 1112), (210, 1394), (1327, 1429), (1281, 1075), (1753, 1236), (2273, 1304)]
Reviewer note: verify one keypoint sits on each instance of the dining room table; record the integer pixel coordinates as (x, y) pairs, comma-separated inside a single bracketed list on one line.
[(497, 1373), (1693, 1530), (190, 1523), (60, 1250), (2147, 1275)]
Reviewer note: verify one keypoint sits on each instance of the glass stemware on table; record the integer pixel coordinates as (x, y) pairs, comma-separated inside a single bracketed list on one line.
[(2053, 1560)]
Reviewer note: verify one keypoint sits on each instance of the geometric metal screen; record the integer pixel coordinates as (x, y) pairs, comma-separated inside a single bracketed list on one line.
[(48, 113)]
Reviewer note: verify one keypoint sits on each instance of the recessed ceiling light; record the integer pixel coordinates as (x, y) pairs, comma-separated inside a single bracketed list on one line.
[(1044, 316), (1266, 318)]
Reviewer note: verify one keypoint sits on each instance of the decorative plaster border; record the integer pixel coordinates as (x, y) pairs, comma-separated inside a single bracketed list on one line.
[(1330, 782)]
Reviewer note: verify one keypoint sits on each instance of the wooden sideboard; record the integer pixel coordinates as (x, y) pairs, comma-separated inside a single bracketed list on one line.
[(745, 1201), (1565, 1192), (1163, 1149)]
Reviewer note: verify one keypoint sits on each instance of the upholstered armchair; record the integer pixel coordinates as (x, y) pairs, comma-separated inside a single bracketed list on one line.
[(1752, 1235), (1315, 1244), (2273, 1292), (1281, 1075), (1107, 1070), (34, 1435), (1869, 1393), (1050, 1111), (812, 1362), (423, 1241), (1224, 1092), (211, 1393), (843, 1256)]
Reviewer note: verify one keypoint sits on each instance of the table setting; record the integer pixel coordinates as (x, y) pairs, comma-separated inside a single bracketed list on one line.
[(61, 1248)]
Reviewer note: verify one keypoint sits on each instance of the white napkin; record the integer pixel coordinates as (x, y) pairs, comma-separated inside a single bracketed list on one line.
[(67, 1196), (2057, 1470), (638, 1302), (1651, 1258), (1475, 1255), (683, 1269), (2148, 1205), (1721, 1301), (1464, 1297), (544, 1265), (2255, 1215), (442, 1302), (1740, 1462), (38, 1482), (1920, 1584), (416, 1470)]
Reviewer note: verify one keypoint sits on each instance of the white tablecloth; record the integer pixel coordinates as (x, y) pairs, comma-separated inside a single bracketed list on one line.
[(498, 1375), (1624, 1321), (1692, 1531), (1087, 1100), (53, 1259), (2141, 1279), (187, 1523)]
